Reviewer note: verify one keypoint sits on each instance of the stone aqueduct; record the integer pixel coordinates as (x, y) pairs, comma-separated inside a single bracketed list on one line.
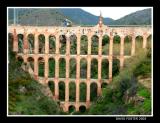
[(99, 30)]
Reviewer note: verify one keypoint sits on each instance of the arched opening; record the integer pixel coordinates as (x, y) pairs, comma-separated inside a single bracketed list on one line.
[(104, 85), (82, 108), (149, 38), (83, 68), (10, 41), (19, 60), (139, 43), (93, 91), (31, 62), (84, 45), (116, 45), (72, 109), (20, 43), (127, 45), (52, 87), (73, 45), (72, 68), (41, 67), (61, 91), (94, 45), (94, 68), (31, 43), (115, 67), (41, 40), (62, 44), (52, 45), (51, 67), (105, 45), (72, 91), (105, 69), (62, 68), (83, 91)]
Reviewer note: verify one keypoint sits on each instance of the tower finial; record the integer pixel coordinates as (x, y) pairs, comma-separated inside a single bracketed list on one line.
[(100, 19)]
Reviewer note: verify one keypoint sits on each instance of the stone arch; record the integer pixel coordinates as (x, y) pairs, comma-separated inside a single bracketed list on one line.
[(94, 44), (72, 68), (139, 42), (72, 91), (62, 44), (94, 68), (52, 44), (127, 45), (93, 91), (83, 68), (105, 69), (20, 43), (116, 45), (62, 68), (115, 66), (105, 45), (149, 39), (31, 46), (41, 66), (82, 91), (84, 45), (61, 86), (41, 41), (51, 85), (73, 44), (51, 70), (30, 60), (71, 109), (82, 108)]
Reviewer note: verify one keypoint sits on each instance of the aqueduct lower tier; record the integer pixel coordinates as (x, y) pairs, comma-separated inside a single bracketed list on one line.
[(34, 53)]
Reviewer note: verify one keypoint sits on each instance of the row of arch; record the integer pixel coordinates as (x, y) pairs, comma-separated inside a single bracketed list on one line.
[(72, 90), (83, 45), (72, 67)]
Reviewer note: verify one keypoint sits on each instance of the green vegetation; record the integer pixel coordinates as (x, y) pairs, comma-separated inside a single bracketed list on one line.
[(125, 95)]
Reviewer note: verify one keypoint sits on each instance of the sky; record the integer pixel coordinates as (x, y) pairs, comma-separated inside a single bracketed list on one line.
[(112, 12)]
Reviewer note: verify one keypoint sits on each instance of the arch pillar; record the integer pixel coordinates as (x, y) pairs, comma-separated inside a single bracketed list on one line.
[(36, 43), (25, 50), (46, 68), (133, 45), (110, 57), (89, 44), (56, 96), (66, 107), (67, 90), (46, 43), (77, 106), (57, 68), (88, 94), (15, 41), (99, 58), (144, 40), (122, 53), (35, 67), (99, 90)]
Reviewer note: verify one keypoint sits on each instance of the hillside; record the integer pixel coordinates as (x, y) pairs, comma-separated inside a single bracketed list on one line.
[(39, 17), (82, 17), (47, 17), (142, 17)]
